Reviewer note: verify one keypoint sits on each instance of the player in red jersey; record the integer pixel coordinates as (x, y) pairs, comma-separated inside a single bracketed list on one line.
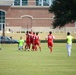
[(37, 42), (33, 41), (31, 37), (50, 38), (27, 46)]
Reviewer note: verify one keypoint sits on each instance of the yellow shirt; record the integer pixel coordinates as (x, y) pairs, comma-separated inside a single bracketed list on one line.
[(69, 39), (21, 42)]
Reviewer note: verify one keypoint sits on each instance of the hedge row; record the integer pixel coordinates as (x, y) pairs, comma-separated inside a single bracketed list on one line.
[(58, 41)]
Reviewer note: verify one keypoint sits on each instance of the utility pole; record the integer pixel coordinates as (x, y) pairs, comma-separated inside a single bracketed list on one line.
[(3, 33)]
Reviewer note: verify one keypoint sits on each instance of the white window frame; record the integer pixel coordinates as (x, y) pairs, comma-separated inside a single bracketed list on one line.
[(42, 4)]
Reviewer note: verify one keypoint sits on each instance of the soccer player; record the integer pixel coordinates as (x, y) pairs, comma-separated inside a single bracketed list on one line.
[(50, 38), (33, 41), (31, 37), (37, 42), (69, 43), (27, 46), (20, 44)]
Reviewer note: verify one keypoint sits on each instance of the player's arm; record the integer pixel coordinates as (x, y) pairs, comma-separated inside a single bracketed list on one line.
[(23, 42), (53, 37)]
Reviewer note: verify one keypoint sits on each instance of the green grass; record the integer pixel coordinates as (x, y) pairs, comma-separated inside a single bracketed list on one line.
[(15, 62)]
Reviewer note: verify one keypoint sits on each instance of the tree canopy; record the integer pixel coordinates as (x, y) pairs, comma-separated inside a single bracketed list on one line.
[(64, 11)]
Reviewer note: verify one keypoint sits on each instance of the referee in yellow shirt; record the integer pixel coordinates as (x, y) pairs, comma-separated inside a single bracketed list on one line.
[(69, 43)]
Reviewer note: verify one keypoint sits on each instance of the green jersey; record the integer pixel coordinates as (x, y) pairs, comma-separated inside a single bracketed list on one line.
[(21, 42), (69, 39)]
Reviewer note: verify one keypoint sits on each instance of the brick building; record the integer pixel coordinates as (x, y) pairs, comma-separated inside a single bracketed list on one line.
[(26, 14)]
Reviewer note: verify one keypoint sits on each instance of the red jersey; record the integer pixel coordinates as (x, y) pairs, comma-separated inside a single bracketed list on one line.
[(37, 38), (28, 38), (50, 38), (33, 38)]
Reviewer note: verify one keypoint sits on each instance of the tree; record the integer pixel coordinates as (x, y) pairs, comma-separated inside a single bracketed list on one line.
[(64, 11)]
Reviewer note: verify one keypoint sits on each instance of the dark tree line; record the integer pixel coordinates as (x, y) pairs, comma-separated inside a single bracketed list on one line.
[(64, 11)]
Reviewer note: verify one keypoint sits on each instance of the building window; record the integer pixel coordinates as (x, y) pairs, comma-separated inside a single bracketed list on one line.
[(17, 2), (2, 17), (38, 2), (20, 2), (43, 2), (24, 2)]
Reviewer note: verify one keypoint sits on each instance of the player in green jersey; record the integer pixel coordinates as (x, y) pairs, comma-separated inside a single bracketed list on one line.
[(20, 43), (69, 43)]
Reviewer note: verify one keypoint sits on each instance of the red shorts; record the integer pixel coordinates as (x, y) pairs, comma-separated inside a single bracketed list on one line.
[(37, 43), (28, 43), (50, 44)]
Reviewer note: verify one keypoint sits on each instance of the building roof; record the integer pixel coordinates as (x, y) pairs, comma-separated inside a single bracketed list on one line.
[(6, 2)]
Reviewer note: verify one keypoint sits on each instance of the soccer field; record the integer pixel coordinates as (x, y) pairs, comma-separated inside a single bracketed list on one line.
[(18, 62)]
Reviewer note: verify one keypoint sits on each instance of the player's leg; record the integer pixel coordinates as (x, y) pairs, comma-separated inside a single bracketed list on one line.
[(32, 47), (22, 47), (19, 48), (25, 46), (35, 46), (28, 46), (50, 46), (50, 49), (39, 46), (69, 49)]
